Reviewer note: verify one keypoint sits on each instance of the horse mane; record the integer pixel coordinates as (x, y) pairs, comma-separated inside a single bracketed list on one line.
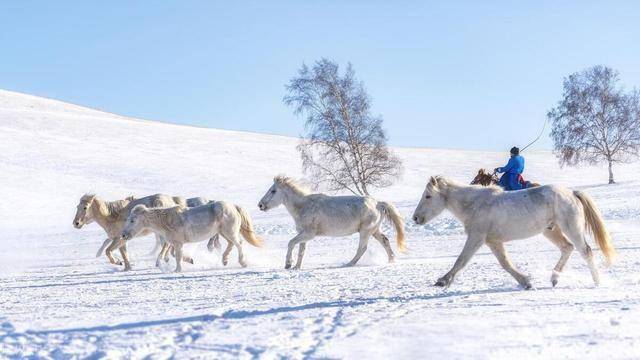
[(110, 210), (115, 209), (440, 181), (291, 184), (443, 182), (165, 218)]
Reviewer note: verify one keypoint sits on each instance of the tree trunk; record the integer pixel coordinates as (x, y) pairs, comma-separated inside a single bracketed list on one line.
[(365, 191), (611, 173)]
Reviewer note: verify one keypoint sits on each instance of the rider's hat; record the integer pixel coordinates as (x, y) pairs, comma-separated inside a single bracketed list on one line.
[(515, 151)]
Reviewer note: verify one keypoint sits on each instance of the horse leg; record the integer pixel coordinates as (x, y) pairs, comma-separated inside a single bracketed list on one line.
[(301, 249), (362, 247), (214, 243), (576, 236), (384, 241), (301, 237), (498, 250), (125, 257), (566, 248), (473, 243), (227, 251), (104, 245), (169, 250), (163, 253), (178, 249), (235, 239), (109, 251)]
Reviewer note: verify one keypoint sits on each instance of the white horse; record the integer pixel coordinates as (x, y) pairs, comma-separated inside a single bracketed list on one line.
[(179, 225), (111, 216), (322, 215), (492, 216), (107, 214), (214, 242)]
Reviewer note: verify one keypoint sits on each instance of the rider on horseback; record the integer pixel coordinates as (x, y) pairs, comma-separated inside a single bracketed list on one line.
[(510, 180)]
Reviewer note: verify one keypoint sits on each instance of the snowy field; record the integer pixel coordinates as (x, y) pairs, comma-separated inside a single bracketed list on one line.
[(57, 300)]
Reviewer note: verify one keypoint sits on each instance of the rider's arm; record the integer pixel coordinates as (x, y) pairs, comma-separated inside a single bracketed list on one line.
[(507, 167)]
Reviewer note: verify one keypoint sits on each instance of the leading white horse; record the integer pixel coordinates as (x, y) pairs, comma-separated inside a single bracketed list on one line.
[(322, 215), (492, 216), (111, 215)]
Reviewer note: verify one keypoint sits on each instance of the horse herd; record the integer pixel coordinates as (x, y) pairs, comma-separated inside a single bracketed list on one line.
[(490, 216)]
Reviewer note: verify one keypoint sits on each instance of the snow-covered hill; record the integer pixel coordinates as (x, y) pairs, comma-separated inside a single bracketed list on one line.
[(57, 299)]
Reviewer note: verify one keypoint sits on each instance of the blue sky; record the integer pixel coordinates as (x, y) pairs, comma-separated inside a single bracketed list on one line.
[(467, 74)]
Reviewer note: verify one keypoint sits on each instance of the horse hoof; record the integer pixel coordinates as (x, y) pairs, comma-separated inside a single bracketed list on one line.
[(118, 262), (441, 283), (287, 266), (225, 262), (527, 287), (554, 282), (189, 260), (127, 268)]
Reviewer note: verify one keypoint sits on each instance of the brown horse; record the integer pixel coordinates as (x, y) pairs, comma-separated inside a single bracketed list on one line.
[(486, 178)]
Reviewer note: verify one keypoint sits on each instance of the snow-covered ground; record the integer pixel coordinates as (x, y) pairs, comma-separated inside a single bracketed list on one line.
[(58, 301)]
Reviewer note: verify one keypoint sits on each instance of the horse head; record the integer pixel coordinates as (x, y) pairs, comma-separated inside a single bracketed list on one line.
[(485, 178), (84, 214), (433, 201)]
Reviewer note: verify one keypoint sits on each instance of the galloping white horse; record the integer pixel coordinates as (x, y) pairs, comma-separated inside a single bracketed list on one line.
[(322, 215), (492, 216), (214, 242), (111, 215), (178, 225)]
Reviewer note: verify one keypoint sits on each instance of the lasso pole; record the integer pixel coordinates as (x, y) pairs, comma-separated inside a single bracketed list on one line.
[(537, 138)]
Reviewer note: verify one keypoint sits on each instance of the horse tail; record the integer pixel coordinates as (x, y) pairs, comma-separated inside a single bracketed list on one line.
[(595, 225), (391, 213), (246, 228)]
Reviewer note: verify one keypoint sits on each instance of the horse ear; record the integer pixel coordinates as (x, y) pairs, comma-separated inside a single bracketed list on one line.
[(433, 181), (481, 172), (139, 209)]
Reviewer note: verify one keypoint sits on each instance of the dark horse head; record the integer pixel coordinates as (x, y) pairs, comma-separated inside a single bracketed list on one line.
[(485, 178)]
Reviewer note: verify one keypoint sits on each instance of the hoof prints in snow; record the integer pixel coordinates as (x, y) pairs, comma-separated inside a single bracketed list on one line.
[(59, 301)]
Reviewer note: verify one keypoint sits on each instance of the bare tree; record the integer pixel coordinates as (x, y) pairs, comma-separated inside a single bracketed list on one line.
[(344, 146), (596, 120)]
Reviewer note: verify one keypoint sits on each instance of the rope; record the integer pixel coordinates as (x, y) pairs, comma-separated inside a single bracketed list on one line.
[(538, 138)]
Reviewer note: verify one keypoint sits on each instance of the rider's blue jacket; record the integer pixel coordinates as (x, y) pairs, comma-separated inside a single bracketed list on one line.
[(514, 166), (512, 171)]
